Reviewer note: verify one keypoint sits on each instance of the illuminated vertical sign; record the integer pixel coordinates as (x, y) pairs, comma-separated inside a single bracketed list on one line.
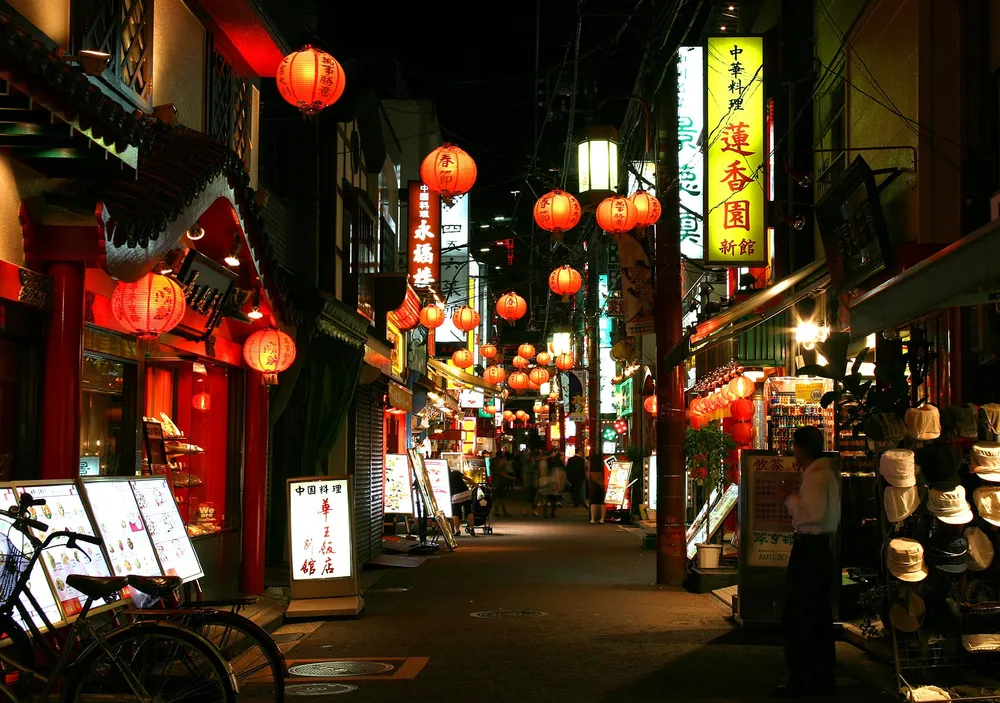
[(604, 344), (424, 236), (734, 207), (690, 157), (454, 267)]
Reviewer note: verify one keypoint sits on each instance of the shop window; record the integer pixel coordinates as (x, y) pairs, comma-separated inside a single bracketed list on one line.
[(124, 30), (107, 421)]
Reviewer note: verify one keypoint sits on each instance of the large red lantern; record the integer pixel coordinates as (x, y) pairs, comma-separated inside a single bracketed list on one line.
[(151, 306), (310, 80), (742, 433), (508, 416), (448, 171), (557, 211), (526, 350), (462, 358), (518, 380), (565, 362), (494, 375), (543, 359), (532, 386), (521, 415), (538, 376), (511, 307), (465, 318), (649, 404), (565, 281), (432, 316), (742, 410), (488, 351), (617, 215), (647, 208), (742, 387), (269, 352), (490, 409), (520, 362)]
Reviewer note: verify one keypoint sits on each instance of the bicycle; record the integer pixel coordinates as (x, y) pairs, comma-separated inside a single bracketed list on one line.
[(141, 661)]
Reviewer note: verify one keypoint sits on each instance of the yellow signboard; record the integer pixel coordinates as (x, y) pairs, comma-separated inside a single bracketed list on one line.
[(736, 231)]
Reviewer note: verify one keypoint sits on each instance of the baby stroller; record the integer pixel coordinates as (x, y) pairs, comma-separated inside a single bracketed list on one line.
[(482, 506)]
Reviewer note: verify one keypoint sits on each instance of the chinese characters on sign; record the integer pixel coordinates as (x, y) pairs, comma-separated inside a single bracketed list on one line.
[(320, 529), (690, 158), (618, 483), (736, 151), (770, 523), (424, 223)]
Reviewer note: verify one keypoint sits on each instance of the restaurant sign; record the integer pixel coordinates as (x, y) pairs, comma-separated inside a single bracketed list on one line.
[(424, 236), (207, 286), (690, 157)]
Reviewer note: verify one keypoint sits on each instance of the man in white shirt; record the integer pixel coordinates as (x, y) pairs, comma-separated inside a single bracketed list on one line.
[(815, 509)]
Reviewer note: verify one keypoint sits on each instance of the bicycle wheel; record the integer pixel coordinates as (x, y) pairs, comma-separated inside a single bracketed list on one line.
[(19, 648), (257, 661), (151, 661)]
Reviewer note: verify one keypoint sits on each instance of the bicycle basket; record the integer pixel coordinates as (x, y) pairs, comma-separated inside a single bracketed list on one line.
[(14, 563)]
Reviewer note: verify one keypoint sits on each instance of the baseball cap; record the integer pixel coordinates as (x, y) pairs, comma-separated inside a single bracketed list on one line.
[(947, 552)]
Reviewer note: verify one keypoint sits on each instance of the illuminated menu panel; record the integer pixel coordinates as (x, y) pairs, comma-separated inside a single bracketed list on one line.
[(122, 528), (320, 529), (437, 474), (38, 584), (166, 529), (397, 498), (63, 510)]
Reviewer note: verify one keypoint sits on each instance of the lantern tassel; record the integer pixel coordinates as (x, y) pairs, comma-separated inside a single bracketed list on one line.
[(269, 379)]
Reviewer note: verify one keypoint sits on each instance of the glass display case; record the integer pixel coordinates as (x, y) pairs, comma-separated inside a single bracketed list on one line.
[(794, 402), (106, 446)]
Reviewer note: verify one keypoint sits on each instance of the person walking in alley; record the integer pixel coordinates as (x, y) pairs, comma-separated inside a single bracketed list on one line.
[(529, 480), (576, 473), (503, 478), (551, 484), (810, 651)]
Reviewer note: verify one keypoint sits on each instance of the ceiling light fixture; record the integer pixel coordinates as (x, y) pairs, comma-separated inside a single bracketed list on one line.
[(255, 314), (234, 255), (195, 233)]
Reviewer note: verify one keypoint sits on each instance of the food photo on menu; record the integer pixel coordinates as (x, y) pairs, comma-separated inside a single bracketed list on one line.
[(122, 528)]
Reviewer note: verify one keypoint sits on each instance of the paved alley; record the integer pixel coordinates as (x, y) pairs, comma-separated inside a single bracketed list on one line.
[(608, 634)]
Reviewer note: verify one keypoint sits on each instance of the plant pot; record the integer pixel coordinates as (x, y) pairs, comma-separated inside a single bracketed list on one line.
[(708, 555)]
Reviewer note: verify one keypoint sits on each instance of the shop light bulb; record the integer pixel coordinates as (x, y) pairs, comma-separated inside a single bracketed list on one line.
[(561, 343), (255, 314), (755, 376), (232, 260)]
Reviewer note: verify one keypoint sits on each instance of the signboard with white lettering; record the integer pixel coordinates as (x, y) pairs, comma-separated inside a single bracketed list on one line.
[(690, 157), (424, 236)]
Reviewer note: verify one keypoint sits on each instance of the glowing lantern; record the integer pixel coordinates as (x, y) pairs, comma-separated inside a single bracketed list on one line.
[(465, 318), (511, 307), (508, 416), (521, 415), (448, 171), (490, 409), (565, 281), (557, 211), (520, 362), (488, 351), (546, 409), (543, 359), (617, 215), (597, 160), (742, 387), (201, 401), (553, 397), (310, 80), (269, 352), (505, 393), (532, 386), (565, 362), (698, 421), (742, 410), (151, 306), (462, 358), (742, 433), (647, 208), (649, 404), (526, 350), (494, 375), (537, 407), (538, 376), (518, 381), (623, 351), (432, 316), (728, 395)]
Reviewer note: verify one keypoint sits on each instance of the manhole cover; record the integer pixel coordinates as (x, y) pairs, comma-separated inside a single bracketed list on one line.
[(342, 668), (318, 689), (503, 614), (389, 589)]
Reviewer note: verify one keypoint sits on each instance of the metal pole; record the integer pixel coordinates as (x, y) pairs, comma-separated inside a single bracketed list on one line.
[(671, 558), (593, 376)]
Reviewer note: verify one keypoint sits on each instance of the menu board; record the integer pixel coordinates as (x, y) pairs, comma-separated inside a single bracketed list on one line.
[(122, 528), (166, 529), (319, 512), (437, 474), (397, 498), (618, 483), (37, 585), (63, 510), (431, 509)]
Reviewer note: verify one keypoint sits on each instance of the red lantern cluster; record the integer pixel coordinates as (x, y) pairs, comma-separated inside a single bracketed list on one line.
[(565, 362), (508, 416), (151, 306), (511, 307), (526, 350), (518, 380), (448, 171), (557, 211), (521, 415), (269, 352), (617, 215), (565, 281), (310, 80), (494, 375)]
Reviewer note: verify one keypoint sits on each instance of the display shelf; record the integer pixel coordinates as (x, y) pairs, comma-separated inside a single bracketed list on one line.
[(794, 402)]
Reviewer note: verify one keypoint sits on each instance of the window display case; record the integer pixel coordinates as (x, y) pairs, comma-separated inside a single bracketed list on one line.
[(107, 437), (794, 402)]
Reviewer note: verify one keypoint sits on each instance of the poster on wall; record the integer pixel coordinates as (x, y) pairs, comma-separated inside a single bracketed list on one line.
[(126, 539), (618, 477), (437, 474), (166, 528), (637, 281), (397, 497)]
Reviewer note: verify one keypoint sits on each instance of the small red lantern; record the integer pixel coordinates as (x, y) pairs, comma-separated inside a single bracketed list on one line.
[(521, 415), (511, 307), (742, 410), (201, 401), (432, 316), (532, 386), (698, 421), (269, 352), (151, 306), (537, 407), (494, 375), (465, 319), (543, 359), (553, 397), (695, 405), (546, 409), (508, 416), (617, 215), (538, 376), (448, 171), (647, 207), (526, 350), (649, 404), (490, 409), (462, 358), (565, 281), (557, 211), (518, 381), (742, 433), (310, 80), (488, 351), (520, 362), (742, 387), (565, 362)]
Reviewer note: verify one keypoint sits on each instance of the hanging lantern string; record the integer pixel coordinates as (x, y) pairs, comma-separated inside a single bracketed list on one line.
[(719, 376)]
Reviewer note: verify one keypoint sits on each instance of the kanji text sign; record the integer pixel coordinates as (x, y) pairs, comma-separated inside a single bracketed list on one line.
[(424, 236), (320, 523)]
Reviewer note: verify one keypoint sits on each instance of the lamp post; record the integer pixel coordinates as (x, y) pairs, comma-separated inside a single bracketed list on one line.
[(597, 163)]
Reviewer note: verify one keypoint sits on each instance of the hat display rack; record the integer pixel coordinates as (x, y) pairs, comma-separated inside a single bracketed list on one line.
[(939, 491)]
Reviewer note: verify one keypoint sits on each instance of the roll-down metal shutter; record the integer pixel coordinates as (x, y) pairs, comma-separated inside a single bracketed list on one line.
[(368, 470)]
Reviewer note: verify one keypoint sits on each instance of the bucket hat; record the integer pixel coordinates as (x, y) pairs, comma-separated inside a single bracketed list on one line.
[(905, 558), (950, 506), (924, 423), (980, 554), (897, 468), (985, 460), (907, 613), (900, 503), (947, 552), (987, 500), (939, 465)]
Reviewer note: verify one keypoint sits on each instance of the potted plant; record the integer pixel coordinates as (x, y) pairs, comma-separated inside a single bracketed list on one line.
[(705, 453)]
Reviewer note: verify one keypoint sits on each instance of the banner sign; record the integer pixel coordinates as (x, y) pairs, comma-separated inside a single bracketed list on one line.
[(637, 281), (736, 151), (320, 528), (424, 236), (690, 157)]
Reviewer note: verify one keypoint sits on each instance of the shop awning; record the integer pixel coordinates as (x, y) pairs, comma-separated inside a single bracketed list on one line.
[(964, 273), (459, 376)]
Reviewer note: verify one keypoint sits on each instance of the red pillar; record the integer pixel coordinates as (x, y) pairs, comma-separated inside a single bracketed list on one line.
[(254, 486), (63, 386)]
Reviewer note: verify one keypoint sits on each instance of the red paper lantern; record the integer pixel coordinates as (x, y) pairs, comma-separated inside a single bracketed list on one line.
[(448, 171), (565, 362), (647, 207), (565, 281), (490, 409), (742, 409), (696, 405), (520, 362), (488, 351), (508, 416), (269, 352), (151, 306), (465, 319), (201, 401), (538, 376), (518, 380), (526, 350), (553, 397), (557, 211), (698, 421), (532, 386), (543, 359), (537, 407), (511, 307), (462, 358), (742, 386), (742, 433), (310, 80), (649, 404), (521, 415), (494, 375), (617, 215), (432, 316)]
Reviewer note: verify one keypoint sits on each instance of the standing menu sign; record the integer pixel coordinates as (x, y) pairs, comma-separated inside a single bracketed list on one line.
[(619, 472), (397, 498), (166, 529), (64, 510), (324, 578), (122, 528), (427, 494), (437, 475)]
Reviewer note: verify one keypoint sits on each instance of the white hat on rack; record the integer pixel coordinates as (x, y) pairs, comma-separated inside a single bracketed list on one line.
[(905, 558), (900, 503), (987, 500), (897, 468), (985, 460), (980, 554), (924, 423), (950, 506)]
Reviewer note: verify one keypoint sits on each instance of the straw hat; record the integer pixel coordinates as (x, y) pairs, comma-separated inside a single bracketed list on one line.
[(987, 500), (907, 613), (905, 558)]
